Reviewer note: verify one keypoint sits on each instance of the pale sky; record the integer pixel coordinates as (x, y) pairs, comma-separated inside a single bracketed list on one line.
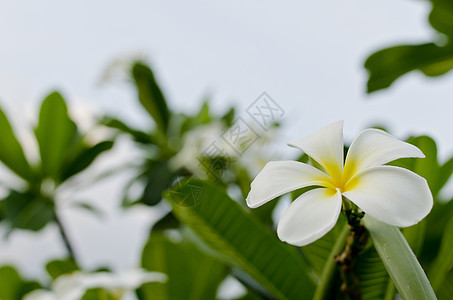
[(308, 55)]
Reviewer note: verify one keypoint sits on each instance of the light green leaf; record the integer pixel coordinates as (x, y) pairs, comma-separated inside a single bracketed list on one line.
[(60, 267), (191, 274), (225, 227), (55, 133), (11, 152), (12, 286), (399, 260), (101, 294), (151, 96)]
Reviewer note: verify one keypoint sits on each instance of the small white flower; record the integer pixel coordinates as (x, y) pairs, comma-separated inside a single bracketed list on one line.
[(390, 194), (74, 285)]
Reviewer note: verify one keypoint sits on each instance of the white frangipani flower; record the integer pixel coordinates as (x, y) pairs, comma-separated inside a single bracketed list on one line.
[(390, 194)]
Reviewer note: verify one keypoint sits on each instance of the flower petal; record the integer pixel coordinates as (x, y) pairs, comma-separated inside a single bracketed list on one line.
[(310, 216), (326, 147), (390, 194), (374, 147), (280, 177)]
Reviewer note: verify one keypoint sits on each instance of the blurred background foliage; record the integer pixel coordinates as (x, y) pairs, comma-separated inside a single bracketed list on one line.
[(207, 239), (432, 59)]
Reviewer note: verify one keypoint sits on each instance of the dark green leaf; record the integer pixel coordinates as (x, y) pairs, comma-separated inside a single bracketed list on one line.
[(88, 207), (229, 117), (151, 96), (372, 275), (387, 65), (444, 261), (11, 153), (446, 290), (28, 211), (225, 227), (137, 135), (85, 158), (158, 178), (432, 59), (191, 274), (319, 252), (441, 17), (56, 133), (169, 221), (330, 275)]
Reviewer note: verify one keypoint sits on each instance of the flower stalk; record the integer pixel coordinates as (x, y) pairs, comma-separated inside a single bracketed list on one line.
[(355, 243)]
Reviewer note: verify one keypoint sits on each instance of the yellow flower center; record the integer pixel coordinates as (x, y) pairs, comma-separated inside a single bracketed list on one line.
[(341, 179)]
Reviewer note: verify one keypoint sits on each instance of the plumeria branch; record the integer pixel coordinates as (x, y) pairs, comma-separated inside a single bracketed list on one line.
[(65, 238), (355, 243)]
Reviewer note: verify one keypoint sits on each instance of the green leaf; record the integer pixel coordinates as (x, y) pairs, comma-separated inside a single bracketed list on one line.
[(28, 211), (204, 116), (55, 133), (441, 16), (229, 117), (60, 267), (225, 227), (11, 152), (169, 221), (433, 59), (446, 290), (319, 252), (435, 228), (12, 285), (159, 180), (85, 158), (415, 235), (151, 96), (324, 289), (88, 207), (399, 260), (137, 135), (387, 65), (191, 274), (100, 294), (372, 275), (444, 261)]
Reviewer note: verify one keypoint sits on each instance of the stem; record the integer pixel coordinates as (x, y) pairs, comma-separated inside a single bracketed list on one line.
[(65, 238), (355, 243), (329, 267)]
